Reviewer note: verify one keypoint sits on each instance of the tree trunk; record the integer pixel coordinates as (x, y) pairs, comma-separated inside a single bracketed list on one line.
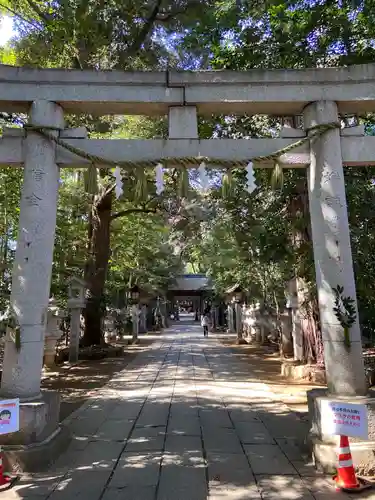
[(96, 268), (308, 306)]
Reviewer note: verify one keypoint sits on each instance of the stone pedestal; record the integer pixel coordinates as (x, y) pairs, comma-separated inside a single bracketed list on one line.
[(150, 323), (265, 326), (286, 334), (142, 319), (324, 448), (297, 334), (249, 321), (163, 313), (240, 339), (40, 438), (294, 306), (216, 317), (109, 328), (230, 319), (53, 334), (135, 312), (257, 324), (76, 302), (75, 331)]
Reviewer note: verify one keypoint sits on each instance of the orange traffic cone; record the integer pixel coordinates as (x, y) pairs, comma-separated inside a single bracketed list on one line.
[(6, 480), (346, 479)]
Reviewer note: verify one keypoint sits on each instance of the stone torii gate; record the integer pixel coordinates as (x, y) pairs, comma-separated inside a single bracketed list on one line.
[(320, 95)]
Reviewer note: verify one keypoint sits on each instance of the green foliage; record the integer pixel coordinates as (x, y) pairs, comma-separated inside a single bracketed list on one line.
[(141, 190), (141, 253), (8, 56), (227, 184), (259, 240), (71, 232), (9, 322), (276, 34), (345, 312), (277, 177), (10, 189)]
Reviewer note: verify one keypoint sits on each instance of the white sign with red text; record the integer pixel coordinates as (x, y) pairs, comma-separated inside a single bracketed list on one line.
[(344, 419), (9, 416)]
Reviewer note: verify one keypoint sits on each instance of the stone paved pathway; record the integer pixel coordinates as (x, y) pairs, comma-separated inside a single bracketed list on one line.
[(184, 420)]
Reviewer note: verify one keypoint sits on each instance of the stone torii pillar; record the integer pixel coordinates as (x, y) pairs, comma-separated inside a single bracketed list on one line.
[(333, 266), (33, 261), (332, 252)]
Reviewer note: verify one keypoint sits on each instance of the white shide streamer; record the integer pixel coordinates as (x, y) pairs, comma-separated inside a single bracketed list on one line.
[(159, 178), (251, 185), (203, 176), (119, 185)]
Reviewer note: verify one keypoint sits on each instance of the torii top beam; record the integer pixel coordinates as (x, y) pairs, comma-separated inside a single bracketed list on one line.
[(273, 92)]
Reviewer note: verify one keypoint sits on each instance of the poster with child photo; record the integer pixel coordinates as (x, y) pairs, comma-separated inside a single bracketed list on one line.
[(9, 416)]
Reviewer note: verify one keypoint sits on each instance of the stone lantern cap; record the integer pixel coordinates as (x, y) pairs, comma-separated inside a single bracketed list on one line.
[(77, 289), (235, 293)]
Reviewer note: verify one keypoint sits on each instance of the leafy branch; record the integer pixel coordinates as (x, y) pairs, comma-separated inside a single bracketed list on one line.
[(19, 16), (9, 321), (129, 211), (168, 14), (145, 30), (345, 312)]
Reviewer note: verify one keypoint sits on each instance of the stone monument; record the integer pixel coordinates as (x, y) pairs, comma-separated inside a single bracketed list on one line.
[(76, 302)]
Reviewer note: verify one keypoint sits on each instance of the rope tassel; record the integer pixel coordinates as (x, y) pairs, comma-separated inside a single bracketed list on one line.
[(119, 191), (251, 185), (227, 184), (159, 178), (203, 177)]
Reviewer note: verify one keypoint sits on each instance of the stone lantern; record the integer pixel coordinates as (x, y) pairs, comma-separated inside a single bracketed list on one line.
[(235, 294), (77, 288), (292, 304), (257, 323), (238, 299), (76, 303), (53, 333), (109, 326), (133, 295)]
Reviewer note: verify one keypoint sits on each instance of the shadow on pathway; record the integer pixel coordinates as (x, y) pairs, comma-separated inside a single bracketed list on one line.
[(184, 420)]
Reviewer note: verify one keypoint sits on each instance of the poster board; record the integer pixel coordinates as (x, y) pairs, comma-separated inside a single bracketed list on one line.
[(344, 419), (9, 416)]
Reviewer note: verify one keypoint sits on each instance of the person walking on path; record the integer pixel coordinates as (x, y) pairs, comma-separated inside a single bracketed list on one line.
[(205, 321)]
